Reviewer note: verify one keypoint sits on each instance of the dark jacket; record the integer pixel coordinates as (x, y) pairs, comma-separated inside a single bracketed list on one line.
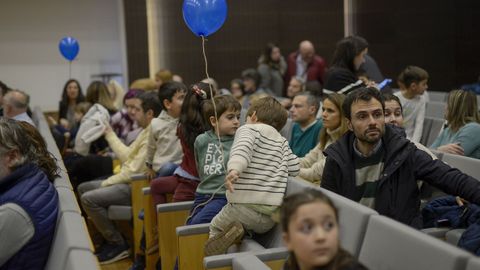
[(30, 188), (397, 195), (466, 216), (338, 78)]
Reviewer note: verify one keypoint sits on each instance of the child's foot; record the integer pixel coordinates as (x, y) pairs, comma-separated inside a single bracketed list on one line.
[(221, 242)]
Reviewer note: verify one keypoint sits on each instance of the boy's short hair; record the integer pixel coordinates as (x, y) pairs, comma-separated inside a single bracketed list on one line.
[(269, 111), (362, 93), (412, 74), (223, 104), (82, 107), (150, 102), (168, 90)]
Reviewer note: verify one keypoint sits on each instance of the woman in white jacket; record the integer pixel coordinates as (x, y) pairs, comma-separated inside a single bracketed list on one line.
[(334, 126)]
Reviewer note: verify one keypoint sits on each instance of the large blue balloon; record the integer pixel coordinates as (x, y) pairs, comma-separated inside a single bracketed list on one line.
[(204, 17), (69, 48)]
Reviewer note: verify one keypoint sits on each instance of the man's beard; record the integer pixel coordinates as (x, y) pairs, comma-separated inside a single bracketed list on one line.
[(371, 140)]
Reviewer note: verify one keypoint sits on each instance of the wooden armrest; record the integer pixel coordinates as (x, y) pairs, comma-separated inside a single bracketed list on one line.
[(169, 217), (191, 242), (138, 204), (193, 229), (138, 177), (176, 206), (248, 262)]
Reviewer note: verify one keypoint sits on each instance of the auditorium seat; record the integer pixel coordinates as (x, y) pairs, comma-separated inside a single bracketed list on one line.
[(437, 96), (435, 109), (389, 244), (70, 234), (79, 259), (467, 165), (169, 217), (248, 262), (351, 237), (473, 263), (453, 236), (71, 247), (431, 129)]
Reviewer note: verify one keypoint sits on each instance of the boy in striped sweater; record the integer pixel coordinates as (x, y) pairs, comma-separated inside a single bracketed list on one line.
[(260, 163)]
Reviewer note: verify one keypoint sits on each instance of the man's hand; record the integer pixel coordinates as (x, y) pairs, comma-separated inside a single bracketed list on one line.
[(108, 128), (452, 148), (231, 178)]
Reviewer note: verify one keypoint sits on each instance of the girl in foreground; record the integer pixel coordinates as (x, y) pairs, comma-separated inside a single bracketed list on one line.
[(311, 233)]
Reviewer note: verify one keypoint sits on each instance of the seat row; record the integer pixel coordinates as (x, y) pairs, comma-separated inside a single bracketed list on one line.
[(186, 242), (72, 248), (377, 241)]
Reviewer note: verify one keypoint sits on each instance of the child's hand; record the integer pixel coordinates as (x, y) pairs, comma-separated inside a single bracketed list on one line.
[(231, 178), (150, 174), (64, 123)]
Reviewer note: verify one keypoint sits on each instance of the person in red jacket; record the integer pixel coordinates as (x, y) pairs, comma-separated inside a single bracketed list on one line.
[(306, 64)]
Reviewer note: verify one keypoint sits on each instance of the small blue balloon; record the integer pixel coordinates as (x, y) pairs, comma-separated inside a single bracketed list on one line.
[(204, 17), (69, 48)]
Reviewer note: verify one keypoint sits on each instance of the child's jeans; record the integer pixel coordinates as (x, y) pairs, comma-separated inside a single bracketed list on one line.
[(250, 219), (205, 213), (167, 169)]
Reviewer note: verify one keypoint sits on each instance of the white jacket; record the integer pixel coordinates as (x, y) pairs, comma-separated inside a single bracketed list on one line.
[(91, 128)]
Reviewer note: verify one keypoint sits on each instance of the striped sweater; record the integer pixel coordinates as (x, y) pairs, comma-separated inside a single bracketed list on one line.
[(264, 160)]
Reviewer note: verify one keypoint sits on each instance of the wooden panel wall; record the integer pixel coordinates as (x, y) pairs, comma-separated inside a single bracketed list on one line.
[(249, 26), (439, 36), (137, 39)]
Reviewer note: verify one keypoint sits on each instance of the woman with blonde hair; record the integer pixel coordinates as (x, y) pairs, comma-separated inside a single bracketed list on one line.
[(461, 136), (116, 93), (97, 92), (334, 126)]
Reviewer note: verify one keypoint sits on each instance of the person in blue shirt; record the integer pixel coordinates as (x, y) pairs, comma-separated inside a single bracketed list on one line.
[(461, 136)]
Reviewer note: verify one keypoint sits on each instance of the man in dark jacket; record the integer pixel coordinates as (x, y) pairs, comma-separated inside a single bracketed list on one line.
[(376, 166)]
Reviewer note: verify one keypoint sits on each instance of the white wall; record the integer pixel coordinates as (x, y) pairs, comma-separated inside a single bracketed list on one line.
[(29, 35)]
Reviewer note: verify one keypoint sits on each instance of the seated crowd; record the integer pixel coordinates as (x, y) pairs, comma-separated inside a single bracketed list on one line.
[(231, 151)]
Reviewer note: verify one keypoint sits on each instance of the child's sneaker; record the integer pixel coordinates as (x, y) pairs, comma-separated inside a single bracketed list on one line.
[(112, 252), (221, 242)]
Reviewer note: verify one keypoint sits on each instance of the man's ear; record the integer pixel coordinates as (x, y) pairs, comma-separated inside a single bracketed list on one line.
[(349, 125)]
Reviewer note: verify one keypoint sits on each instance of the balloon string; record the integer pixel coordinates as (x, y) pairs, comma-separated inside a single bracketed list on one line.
[(217, 131), (69, 70)]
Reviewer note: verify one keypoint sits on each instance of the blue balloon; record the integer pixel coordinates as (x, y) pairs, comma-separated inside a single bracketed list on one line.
[(204, 17), (69, 48)]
